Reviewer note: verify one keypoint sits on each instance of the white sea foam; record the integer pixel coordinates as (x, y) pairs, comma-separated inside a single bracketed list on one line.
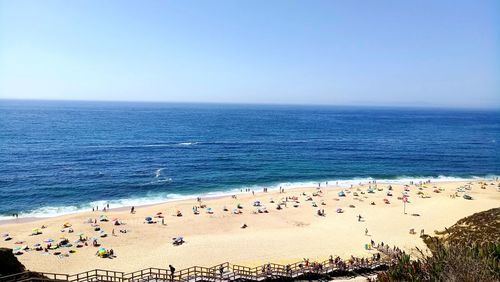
[(187, 143), (158, 172), (156, 198)]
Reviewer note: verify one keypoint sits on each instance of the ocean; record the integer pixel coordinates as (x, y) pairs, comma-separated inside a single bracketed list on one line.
[(60, 157)]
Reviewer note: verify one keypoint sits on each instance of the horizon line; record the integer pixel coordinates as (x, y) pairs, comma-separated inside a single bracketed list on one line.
[(417, 105)]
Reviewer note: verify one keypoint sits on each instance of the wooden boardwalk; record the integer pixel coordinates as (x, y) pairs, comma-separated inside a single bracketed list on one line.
[(224, 272)]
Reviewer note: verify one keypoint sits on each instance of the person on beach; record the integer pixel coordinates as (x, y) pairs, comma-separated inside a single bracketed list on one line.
[(359, 217), (132, 209), (366, 232), (172, 271)]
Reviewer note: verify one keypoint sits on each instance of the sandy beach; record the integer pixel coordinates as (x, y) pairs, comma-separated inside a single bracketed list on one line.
[(286, 235)]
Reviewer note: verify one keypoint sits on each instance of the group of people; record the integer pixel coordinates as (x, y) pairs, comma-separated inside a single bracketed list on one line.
[(96, 208)]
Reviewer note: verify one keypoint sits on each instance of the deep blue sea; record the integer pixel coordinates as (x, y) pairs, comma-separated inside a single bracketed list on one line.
[(59, 157)]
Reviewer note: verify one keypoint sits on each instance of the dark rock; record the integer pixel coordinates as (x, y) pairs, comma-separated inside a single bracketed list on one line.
[(9, 263)]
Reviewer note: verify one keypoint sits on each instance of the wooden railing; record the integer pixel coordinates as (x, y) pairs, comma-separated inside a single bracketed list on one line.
[(224, 272)]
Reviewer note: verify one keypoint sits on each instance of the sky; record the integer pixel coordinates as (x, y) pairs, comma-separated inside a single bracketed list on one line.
[(392, 53)]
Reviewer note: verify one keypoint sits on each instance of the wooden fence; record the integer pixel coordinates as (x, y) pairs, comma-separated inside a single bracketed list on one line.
[(224, 272)]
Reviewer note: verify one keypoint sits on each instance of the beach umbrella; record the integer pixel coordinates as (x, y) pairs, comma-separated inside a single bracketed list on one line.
[(80, 234), (36, 245), (16, 249), (5, 235), (148, 218), (101, 251), (48, 240)]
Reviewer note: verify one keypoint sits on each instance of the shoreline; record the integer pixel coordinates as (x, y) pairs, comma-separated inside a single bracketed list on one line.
[(282, 236), (235, 191), (111, 210)]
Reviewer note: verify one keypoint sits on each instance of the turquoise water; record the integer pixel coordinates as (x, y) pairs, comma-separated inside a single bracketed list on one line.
[(59, 157)]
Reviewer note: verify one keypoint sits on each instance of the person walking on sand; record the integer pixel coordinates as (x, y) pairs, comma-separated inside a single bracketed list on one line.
[(366, 232)]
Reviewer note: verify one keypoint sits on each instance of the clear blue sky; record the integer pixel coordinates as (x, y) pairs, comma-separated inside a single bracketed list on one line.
[(401, 52)]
